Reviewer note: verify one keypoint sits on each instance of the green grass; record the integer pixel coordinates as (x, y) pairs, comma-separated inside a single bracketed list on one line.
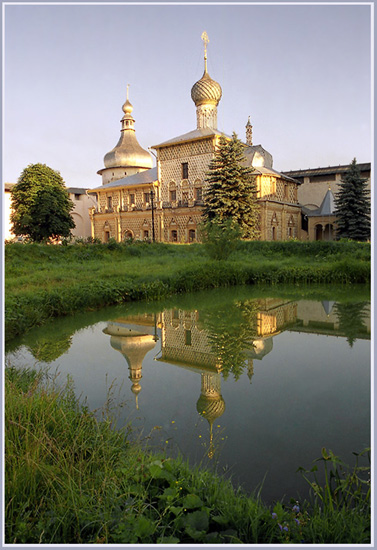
[(43, 281), (72, 479)]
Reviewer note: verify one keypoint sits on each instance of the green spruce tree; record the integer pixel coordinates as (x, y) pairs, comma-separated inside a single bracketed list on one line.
[(41, 205), (231, 193), (352, 206)]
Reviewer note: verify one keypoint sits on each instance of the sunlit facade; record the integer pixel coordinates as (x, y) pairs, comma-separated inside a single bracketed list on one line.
[(173, 192)]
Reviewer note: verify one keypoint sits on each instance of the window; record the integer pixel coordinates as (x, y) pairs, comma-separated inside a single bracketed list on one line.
[(185, 197), (77, 197), (199, 194), (146, 197), (132, 198), (174, 236), (184, 170), (187, 337), (146, 234), (109, 202), (173, 195), (107, 236), (191, 235)]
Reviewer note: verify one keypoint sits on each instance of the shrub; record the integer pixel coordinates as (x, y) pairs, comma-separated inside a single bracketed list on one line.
[(220, 238)]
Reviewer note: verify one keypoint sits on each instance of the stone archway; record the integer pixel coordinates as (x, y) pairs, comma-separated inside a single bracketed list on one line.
[(128, 235), (318, 232), (328, 234)]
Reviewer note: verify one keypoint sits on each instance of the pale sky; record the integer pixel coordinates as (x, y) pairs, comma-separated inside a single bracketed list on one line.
[(301, 72)]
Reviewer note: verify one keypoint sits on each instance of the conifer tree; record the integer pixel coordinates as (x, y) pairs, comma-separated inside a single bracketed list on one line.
[(352, 206), (231, 193), (41, 205)]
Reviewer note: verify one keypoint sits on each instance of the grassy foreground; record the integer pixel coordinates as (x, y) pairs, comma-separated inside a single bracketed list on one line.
[(44, 281), (72, 479)]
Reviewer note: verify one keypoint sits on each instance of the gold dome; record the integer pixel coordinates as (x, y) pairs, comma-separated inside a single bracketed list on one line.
[(128, 153), (206, 91)]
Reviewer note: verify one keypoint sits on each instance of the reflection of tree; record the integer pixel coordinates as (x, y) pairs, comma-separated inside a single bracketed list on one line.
[(351, 318), (230, 329), (48, 349)]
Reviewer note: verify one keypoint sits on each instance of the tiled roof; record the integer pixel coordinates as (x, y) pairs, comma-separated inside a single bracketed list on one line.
[(189, 136), (144, 177), (364, 167), (76, 190), (327, 207)]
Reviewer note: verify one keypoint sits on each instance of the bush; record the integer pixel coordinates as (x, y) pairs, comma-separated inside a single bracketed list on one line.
[(220, 238)]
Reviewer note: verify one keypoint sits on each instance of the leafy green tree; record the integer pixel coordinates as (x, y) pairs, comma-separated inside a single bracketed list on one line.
[(232, 191), (352, 206), (41, 205)]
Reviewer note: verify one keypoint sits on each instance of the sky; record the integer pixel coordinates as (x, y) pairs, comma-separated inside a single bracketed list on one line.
[(301, 72)]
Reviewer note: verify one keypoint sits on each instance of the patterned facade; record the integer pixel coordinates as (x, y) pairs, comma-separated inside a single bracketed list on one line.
[(174, 191)]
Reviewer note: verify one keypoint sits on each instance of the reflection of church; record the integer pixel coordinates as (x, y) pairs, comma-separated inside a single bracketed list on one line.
[(186, 343)]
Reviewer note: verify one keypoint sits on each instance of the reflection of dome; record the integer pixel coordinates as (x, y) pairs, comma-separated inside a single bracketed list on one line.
[(209, 407), (134, 346), (206, 91), (128, 152)]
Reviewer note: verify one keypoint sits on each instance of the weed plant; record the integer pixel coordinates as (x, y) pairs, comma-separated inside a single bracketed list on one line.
[(72, 479)]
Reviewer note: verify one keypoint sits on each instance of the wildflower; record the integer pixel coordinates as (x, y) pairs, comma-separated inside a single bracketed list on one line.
[(173, 421), (296, 508), (286, 528), (200, 436), (297, 521), (280, 526), (274, 515)]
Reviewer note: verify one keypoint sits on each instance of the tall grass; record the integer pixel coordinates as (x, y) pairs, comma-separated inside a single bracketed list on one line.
[(71, 479), (49, 281)]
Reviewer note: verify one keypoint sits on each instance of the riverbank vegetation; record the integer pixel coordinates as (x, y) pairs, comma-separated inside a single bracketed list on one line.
[(44, 281), (73, 478)]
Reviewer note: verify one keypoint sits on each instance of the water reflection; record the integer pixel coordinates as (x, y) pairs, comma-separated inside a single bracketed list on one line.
[(224, 340), (244, 379)]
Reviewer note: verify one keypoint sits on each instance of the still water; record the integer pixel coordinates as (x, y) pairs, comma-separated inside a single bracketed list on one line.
[(248, 382)]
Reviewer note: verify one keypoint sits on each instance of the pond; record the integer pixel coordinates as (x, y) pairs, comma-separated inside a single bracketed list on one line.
[(250, 382)]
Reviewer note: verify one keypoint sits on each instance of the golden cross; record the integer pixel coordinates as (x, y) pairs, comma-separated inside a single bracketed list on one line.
[(205, 39)]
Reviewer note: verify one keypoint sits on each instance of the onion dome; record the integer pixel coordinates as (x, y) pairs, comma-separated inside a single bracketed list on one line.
[(128, 153), (206, 94), (206, 91), (210, 408)]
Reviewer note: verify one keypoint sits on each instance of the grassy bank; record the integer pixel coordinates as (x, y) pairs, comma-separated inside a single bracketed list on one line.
[(73, 479), (50, 281)]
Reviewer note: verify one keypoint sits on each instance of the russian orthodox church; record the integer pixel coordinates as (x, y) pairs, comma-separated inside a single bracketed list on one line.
[(164, 203)]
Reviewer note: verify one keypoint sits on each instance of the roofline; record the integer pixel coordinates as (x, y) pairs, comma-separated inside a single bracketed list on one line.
[(173, 142), (119, 186), (328, 169), (99, 172)]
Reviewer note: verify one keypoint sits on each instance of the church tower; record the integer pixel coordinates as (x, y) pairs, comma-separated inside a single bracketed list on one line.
[(206, 94), (127, 157)]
